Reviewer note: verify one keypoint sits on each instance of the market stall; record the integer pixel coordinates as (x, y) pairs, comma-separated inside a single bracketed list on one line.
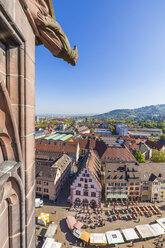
[(85, 236), (51, 231), (50, 243), (114, 237), (157, 229), (145, 231), (161, 222), (98, 239), (130, 234)]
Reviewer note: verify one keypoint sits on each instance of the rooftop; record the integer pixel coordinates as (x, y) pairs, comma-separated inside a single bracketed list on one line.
[(149, 171), (56, 146), (59, 136), (49, 172)]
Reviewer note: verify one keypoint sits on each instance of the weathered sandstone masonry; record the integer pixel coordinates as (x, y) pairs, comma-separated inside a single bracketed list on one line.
[(17, 110)]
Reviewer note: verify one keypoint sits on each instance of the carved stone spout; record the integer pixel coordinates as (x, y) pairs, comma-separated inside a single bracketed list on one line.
[(48, 31)]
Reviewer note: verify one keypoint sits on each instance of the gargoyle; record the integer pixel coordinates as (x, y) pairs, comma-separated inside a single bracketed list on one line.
[(48, 31)]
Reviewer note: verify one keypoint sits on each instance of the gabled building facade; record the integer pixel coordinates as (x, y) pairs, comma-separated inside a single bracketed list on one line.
[(152, 181), (86, 188)]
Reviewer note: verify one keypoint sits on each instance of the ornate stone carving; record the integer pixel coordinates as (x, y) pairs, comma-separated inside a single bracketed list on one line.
[(9, 140), (48, 31), (8, 129)]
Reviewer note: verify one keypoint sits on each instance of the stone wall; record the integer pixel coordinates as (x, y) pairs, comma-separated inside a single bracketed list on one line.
[(17, 111)]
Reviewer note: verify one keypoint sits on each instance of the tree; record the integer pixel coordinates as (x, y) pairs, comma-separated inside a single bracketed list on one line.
[(92, 130), (152, 139), (163, 130), (158, 156), (69, 122), (112, 129), (162, 137), (139, 157)]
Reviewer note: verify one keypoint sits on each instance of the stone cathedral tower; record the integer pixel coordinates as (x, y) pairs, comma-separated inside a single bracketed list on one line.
[(17, 111), (18, 36)]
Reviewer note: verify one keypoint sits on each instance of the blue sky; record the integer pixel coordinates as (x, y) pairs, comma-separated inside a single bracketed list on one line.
[(121, 64)]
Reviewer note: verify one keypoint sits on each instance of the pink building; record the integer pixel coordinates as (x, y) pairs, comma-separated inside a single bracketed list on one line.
[(86, 188)]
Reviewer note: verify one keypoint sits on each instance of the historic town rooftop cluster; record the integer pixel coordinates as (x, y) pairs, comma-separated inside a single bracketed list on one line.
[(107, 168)]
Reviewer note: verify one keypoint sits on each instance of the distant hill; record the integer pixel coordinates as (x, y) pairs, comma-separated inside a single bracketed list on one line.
[(148, 112)]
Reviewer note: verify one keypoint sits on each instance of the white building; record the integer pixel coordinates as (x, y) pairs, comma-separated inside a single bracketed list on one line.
[(121, 129), (83, 130), (86, 188), (102, 131)]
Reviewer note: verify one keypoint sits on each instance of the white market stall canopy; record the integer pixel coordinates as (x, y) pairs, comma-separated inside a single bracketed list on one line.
[(50, 243), (98, 239), (114, 237), (130, 234), (157, 229), (145, 231), (161, 222), (51, 231), (77, 233)]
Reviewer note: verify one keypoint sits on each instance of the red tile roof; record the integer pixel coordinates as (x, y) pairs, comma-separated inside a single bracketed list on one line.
[(56, 146), (154, 145), (92, 162), (134, 146), (118, 154)]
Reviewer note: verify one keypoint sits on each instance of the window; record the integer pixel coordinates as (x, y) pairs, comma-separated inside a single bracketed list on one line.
[(81, 179), (93, 194), (131, 183), (46, 190), (90, 180), (85, 193), (38, 182), (45, 183), (123, 184), (78, 192), (137, 188), (39, 189), (85, 171), (117, 184), (92, 186), (131, 188), (79, 184), (86, 186), (86, 180)]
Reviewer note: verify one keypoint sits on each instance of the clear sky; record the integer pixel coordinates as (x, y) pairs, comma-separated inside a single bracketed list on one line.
[(121, 63)]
